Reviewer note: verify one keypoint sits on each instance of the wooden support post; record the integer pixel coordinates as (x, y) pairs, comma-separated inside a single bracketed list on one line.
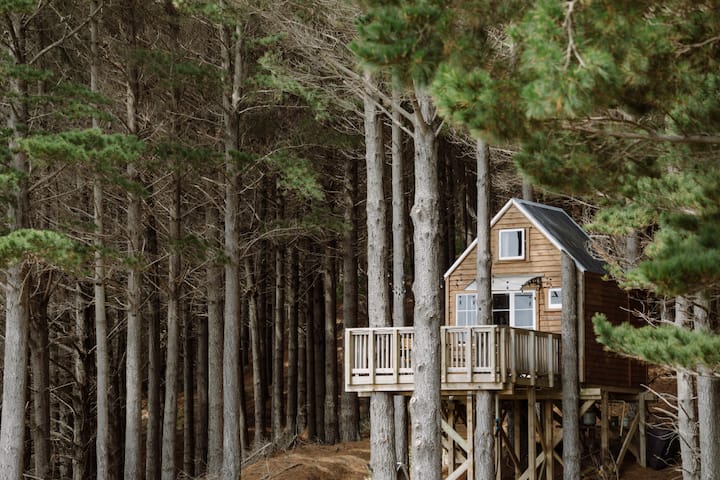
[(349, 358), (604, 428), (516, 435), (549, 444), (641, 424), (470, 409), (443, 358), (395, 352), (531, 435), (451, 442)]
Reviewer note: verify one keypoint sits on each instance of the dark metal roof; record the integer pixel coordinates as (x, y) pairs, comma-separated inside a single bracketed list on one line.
[(563, 232)]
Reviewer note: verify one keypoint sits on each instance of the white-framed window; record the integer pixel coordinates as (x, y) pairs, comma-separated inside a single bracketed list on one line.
[(511, 245), (465, 309), (554, 298), (516, 309)]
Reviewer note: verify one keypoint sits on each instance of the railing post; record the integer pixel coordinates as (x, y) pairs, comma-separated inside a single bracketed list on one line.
[(395, 352), (371, 355), (443, 356), (468, 353), (349, 357), (551, 360), (513, 356), (532, 359)]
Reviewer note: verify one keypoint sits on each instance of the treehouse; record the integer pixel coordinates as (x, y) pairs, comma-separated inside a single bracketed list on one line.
[(518, 355)]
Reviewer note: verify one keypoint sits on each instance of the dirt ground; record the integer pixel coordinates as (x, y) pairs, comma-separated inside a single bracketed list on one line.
[(349, 461)]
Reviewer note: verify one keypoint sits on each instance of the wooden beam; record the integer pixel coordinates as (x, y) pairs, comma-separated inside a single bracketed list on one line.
[(516, 434), (643, 438), (454, 436), (604, 428), (628, 439), (549, 463), (531, 436)]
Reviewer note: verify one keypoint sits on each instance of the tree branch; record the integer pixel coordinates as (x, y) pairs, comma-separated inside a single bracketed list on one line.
[(697, 139)]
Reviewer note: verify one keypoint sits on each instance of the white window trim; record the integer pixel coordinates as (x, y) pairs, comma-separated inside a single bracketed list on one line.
[(457, 310), (522, 244), (555, 306), (512, 306)]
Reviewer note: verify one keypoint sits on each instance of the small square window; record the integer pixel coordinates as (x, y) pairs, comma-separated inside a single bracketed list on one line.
[(512, 244), (555, 298)]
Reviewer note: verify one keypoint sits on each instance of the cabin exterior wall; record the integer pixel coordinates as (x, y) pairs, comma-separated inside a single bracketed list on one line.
[(601, 367)]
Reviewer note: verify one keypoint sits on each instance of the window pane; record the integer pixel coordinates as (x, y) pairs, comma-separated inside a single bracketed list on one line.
[(511, 243), (501, 301), (501, 317), (523, 301), (524, 318), (556, 297), (461, 319)]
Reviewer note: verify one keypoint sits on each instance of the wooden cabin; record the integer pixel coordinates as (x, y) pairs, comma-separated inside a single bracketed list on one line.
[(518, 356)]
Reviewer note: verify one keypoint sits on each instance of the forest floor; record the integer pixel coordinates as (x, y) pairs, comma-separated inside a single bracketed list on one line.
[(349, 461)]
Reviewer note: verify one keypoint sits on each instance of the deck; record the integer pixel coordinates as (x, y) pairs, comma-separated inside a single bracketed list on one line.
[(489, 357)]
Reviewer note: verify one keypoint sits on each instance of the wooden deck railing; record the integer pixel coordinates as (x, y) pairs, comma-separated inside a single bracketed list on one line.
[(479, 357)]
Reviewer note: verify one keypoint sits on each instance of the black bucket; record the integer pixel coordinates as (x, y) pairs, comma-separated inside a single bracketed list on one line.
[(662, 447)]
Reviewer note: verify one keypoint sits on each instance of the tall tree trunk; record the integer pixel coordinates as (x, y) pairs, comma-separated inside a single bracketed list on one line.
[(382, 426), (201, 423), (174, 308), (331, 366), (570, 376), (708, 400), (425, 401), (278, 353), (133, 363), (153, 446), (318, 335), (484, 447), (232, 409), (399, 227), (258, 399), (12, 420), (83, 370), (303, 355), (291, 300), (687, 419), (214, 278), (40, 366), (311, 358), (188, 394), (350, 411)]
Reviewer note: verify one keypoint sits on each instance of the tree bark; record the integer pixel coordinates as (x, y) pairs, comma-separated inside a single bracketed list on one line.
[(232, 409), (350, 411), (708, 398), (201, 423), (291, 309), (153, 446), (40, 366), (399, 227), (331, 365), (12, 419), (382, 426), (570, 376), (425, 401), (214, 278), (484, 447), (258, 399), (318, 337), (687, 419), (303, 357), (188, 393), (311, 358), (278, 347)]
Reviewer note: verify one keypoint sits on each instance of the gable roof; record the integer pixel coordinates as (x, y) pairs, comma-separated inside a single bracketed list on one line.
[(557, 226)]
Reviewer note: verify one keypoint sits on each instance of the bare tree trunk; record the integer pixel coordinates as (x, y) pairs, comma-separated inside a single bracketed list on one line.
[(484, 447), (201, 424), (319, 346), (278, 344), (232, 409), (133, 373), (12, 420), (425, 401), (291, 286), (303, 356), (331, 366), (708, 398), (527, 191), (214, 277), (40, 366), (258, 399), (399, 227), (311, 358), (350, 411), (570, 377), (382, 426), (687, 419), (81, 408), (188, 391), (153, 446)]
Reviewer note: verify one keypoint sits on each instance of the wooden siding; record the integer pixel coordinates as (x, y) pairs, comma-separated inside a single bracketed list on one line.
[(604, 368), (541, 259)]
